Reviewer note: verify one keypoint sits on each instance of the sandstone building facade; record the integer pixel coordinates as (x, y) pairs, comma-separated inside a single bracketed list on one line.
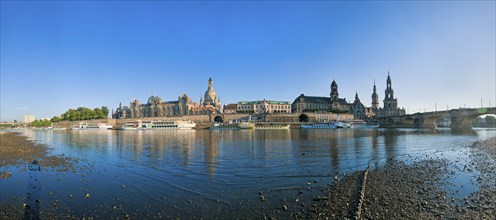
[(263, 107), (333, 103), (184, 105)]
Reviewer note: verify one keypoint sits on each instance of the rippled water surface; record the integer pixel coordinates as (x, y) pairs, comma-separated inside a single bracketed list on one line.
[(203, 173)]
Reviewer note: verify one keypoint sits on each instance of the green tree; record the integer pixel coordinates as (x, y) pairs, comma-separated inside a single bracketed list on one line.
[(83, 113), (97, 113), (15, 121), (56, 119), (41, 123), (105, 112), (490, 120)]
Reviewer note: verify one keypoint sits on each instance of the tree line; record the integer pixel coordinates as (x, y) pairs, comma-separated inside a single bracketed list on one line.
[(41, 123), (82, 113)]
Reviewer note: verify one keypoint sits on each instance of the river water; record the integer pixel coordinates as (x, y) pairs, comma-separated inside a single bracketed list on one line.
[(219, 174)]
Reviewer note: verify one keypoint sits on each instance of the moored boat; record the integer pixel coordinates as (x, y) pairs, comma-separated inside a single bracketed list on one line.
[(151, 125), (134, 125), (362, 124), (319, 126), (220, 126), (90, 126), (341, 124), (246, 125), (271, 126)]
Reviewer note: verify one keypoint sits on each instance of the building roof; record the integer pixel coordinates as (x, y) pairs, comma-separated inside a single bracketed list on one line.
[(343, 101), (313, 98), (231, 107), (261, 101)]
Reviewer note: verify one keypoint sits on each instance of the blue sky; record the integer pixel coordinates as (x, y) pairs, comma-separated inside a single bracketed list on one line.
[(58, 55)]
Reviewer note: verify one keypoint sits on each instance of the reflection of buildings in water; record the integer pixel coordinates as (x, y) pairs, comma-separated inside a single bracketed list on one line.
[(110, 138), (278, 141), (211, 140), (390, 139), (375, 151), (45, 135), (312, 134), (186, 142), (88, 138), (164, 142), (265, 142), (211, 152), (334, 153), (359, 147), (37, 135), (137, 140), (126, 140)]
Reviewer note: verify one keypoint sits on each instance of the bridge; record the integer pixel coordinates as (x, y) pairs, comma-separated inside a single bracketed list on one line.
[(460, 118)]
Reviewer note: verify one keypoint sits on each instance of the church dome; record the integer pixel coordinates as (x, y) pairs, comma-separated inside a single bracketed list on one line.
[(209, 96), (154, 99)]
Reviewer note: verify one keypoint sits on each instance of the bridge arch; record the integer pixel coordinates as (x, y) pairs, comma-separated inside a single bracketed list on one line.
[(463, 118), (443, 122), (487, 120), (409, 121), (218, 119), (389, 121), (303, 118)]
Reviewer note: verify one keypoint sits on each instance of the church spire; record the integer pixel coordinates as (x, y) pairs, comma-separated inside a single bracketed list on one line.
[(388, 81), (375, 98), (374, 86)]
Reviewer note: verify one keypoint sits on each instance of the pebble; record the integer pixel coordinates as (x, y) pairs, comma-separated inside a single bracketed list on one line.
[(285, 207)]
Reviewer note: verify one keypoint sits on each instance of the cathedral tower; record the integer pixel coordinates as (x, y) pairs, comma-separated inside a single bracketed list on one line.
[(390, 103), (375, 99), (334, 91)]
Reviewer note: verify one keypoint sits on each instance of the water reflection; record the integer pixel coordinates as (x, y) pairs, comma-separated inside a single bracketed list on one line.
[(390, 138), (375, 148), (32, 207), (228, 168)]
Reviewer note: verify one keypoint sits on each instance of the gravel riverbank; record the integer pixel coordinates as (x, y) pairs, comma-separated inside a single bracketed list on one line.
[(17, 150), (415, 191)]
